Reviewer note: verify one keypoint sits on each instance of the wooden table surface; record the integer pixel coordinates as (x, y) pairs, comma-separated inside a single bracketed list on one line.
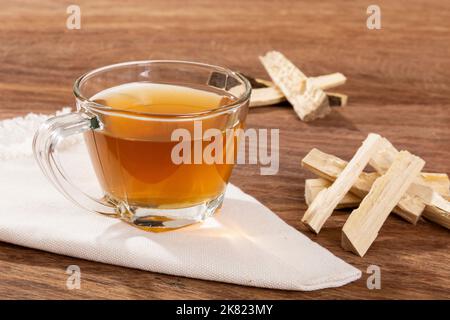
[(398, 84)]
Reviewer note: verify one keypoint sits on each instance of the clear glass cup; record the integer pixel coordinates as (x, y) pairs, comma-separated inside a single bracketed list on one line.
[(130, 150)]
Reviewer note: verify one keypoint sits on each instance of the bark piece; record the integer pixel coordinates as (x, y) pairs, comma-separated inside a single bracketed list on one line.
[(310, 102), (364, 223), (337, 99), (326, 201)]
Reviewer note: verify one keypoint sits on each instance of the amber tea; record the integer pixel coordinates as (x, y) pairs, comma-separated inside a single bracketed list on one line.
[(133, 162)]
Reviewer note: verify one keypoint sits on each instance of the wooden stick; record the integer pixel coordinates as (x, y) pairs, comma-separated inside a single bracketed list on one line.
[(266, 94), (364, 223), (421, 196), (429, 196), (326, 201), (439, 182), (310, 103), (382, 160), (329, 80), (266, 97), (329, 167), (314, 186), (437, 207)]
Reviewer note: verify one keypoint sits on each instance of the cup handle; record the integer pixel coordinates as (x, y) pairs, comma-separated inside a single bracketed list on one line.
[(45, 143)]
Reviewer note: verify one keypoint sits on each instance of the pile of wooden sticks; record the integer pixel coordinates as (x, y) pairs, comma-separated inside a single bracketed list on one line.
[(307, 95), (398, 186)]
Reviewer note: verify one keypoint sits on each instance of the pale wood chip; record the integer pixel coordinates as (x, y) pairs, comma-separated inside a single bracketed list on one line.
[(310, 103), (364, 223)]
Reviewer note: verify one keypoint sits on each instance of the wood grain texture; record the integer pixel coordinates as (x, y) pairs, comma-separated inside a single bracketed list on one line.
[(398, 86)]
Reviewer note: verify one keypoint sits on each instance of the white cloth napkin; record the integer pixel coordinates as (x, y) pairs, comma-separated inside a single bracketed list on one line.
[(246, 243)]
